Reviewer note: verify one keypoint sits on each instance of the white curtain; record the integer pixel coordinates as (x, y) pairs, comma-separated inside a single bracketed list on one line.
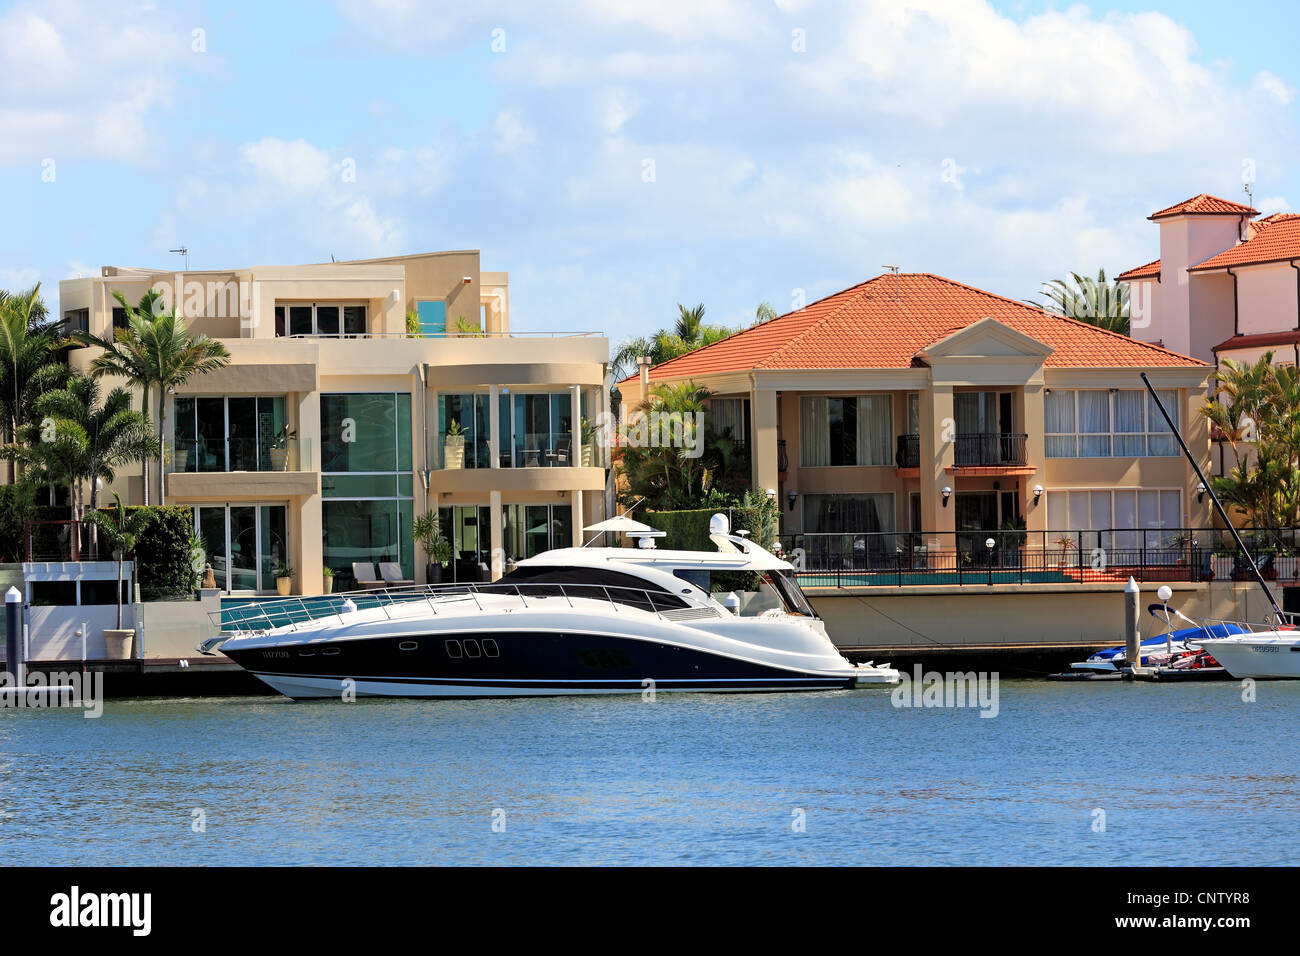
[(814, 431), (726, 417), (1162, 441), (875, 429), (1094, 424), (1059, 424), (914, 414), (1130, 406)]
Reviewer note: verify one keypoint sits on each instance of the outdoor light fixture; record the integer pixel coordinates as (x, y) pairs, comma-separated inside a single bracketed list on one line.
[(989, 543), (1200, 492), (1038, 493), (1047, 391), (467, 279), (771, 493), (947, 493), (790, 497)]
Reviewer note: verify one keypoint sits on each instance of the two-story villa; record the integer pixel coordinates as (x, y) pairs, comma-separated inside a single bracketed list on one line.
[(916, 403), (334, 425)]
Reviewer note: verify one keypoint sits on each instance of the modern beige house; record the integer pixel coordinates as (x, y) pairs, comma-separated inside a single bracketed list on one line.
[(914, 403), (333, 426)]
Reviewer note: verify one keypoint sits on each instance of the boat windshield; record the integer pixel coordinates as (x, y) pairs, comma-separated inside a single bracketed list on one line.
[(758, 591)]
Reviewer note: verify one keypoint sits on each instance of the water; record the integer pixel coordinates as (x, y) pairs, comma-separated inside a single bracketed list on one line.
[(1186, 774)]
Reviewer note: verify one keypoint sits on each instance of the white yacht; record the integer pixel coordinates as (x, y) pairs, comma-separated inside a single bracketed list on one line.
[(570, 621)]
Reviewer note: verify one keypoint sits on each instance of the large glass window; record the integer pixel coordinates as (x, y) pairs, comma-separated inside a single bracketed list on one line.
[(470, 413), (320, 318), (226, 434), (539, 425), (851, 430), (243, 543), (848, 513), (367, 482), (528, 530), (1114, 423), (1132, 518), (467, 527)]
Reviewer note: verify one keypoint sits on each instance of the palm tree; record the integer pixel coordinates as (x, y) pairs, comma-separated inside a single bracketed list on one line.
[(27, 344), (80, 439), (689, 332), (123, 530), (155, 351), (764, 313), (1098, 301)]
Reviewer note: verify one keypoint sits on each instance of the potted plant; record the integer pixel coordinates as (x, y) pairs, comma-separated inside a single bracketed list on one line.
[(180, 456), (588, 443), (1013, 537), (427, 529), (1066, 544), (279, 449), (1180, 541), (327, 578), (283, 578), (454, 446), (123, 530)]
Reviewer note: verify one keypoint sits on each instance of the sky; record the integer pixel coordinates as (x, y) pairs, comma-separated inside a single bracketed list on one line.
[(617, 158)]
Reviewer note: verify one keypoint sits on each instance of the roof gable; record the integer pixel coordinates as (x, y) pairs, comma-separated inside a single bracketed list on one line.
[(1204, 205), (987, 338)]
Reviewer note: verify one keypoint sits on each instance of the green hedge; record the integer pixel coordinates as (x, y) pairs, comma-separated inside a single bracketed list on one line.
[(689, 530), (163, 555)]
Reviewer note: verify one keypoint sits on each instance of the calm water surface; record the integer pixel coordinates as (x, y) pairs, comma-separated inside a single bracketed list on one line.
[(1186, 775)]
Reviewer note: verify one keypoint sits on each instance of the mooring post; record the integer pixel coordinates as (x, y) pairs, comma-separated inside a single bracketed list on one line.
[(14, 637), (1132, 638)]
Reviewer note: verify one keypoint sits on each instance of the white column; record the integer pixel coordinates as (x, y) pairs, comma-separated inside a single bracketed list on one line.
[(575, 425), (494, 427), (576, 518), (497, 538)]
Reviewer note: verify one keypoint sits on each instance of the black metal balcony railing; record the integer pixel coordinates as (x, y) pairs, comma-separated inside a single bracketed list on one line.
[(981, 448), (989, 448), (885, 559)]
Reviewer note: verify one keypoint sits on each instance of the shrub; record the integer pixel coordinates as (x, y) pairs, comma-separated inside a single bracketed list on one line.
[(163, 554), (17, 507)]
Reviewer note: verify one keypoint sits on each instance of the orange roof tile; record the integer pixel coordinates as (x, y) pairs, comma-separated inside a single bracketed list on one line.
[(1276, 239), (1149, 271), (884, 322), (1205, 205), (1259, 340)]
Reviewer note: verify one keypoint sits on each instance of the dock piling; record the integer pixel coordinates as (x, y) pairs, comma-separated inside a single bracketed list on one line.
[(1132, 636), (14, 637)]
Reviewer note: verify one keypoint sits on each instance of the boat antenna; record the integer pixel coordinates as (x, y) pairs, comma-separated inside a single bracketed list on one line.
[(1241, 546)]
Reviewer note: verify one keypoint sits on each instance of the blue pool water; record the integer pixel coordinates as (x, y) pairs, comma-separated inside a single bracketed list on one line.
[(1186, 774)]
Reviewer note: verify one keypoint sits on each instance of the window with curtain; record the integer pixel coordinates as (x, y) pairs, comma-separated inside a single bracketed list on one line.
[(727, 420), (846, 430), (1101, 423), (1123, 520), (848, 513)]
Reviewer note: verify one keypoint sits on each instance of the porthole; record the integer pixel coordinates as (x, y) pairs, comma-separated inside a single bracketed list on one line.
[(306, 653), (408, 645), (471, 648), (453, 648), (329, 651), (490, 648)]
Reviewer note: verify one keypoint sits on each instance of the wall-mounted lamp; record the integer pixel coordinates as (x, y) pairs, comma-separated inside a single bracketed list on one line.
[(1200, 492), (1038, 493), (771, 493), (947, 493), (1047, 391), (791, 497)]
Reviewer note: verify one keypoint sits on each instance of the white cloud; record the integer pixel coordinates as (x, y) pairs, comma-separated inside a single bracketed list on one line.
[(512, 133), (81, 81), (1274, 85)]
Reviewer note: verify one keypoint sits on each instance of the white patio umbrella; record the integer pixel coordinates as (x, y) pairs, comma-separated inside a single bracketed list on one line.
[(619, 523)]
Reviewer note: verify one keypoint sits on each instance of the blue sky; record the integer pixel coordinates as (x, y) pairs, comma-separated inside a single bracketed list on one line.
[(619, 157)]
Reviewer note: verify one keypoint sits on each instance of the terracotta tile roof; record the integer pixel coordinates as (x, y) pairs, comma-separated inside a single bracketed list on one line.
[(886, 321), (1276, 239), (1205, 205), (1260, 340), (1149, 271)]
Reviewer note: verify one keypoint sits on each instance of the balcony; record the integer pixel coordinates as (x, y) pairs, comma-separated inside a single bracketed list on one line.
[(203, 467), (998, 450)]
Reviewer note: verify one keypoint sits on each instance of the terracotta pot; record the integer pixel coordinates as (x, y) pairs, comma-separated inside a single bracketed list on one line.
[(119, 644), (283, 586)]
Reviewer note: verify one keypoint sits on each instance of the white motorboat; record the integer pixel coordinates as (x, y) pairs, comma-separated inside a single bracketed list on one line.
[(569, 621)]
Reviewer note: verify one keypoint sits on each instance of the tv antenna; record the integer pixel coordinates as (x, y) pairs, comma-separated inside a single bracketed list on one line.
[(182, 251)]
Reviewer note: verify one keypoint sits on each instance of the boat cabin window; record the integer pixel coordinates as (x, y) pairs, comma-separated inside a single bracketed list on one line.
[(758, 591), (616, 586)]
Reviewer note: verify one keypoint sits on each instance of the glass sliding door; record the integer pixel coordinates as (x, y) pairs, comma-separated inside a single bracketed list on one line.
[(529, 530), (243, 543)]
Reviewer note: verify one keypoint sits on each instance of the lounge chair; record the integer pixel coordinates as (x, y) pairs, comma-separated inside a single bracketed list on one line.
[(391, 572), (365, 575)]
